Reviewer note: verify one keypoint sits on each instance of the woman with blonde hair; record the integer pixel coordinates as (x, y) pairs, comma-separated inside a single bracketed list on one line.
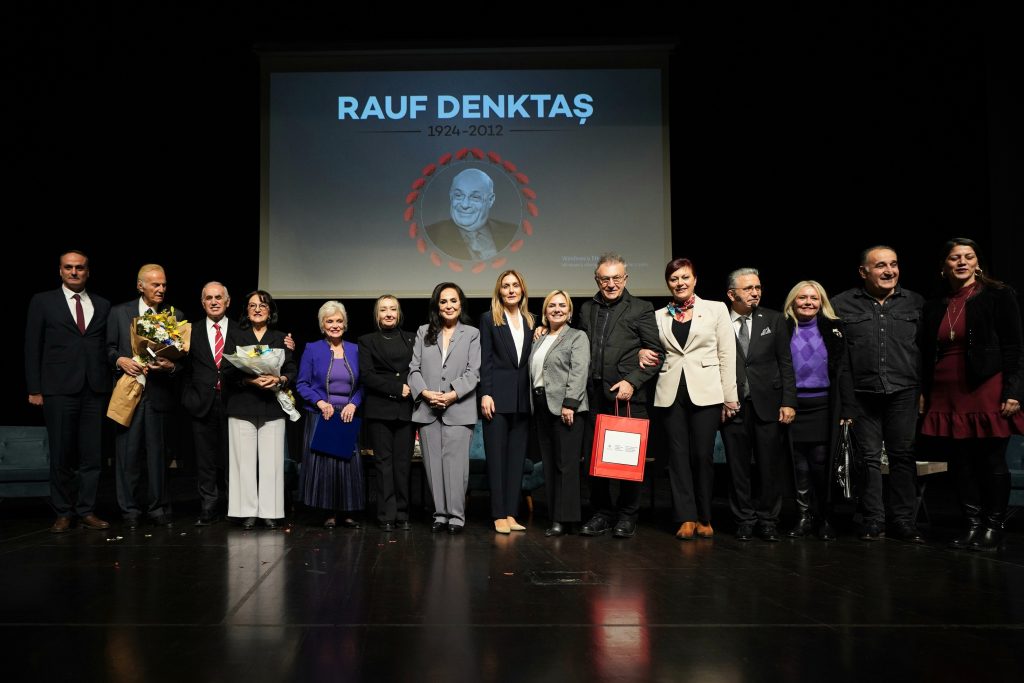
[(824, 391), (506, 336)]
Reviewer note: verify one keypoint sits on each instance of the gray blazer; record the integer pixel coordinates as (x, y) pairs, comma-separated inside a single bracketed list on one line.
[(460, 372), (566, 367)]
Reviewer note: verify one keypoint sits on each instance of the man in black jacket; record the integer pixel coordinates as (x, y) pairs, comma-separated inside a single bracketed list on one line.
[(618, 326), (881, 324), (201, 397), (159, 398), (67, 375), (767, 389)]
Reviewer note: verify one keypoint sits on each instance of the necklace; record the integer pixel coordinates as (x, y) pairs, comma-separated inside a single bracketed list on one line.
[(952, 322)]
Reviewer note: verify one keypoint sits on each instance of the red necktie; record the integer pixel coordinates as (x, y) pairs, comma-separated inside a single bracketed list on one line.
[(218, 348), (79, 313)]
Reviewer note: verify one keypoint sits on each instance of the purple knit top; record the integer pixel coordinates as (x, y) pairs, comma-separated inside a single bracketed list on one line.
[(810, 360)]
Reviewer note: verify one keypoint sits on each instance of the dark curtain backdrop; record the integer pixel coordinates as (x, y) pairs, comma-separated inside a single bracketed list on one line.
[(798, 137)]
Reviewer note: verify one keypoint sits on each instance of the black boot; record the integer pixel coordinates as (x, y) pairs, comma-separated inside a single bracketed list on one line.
[(973, 514), (805, 522), (997, 488)]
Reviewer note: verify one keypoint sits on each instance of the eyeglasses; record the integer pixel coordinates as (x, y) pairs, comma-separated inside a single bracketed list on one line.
[(748, 288), (605, 279), (258, 307)]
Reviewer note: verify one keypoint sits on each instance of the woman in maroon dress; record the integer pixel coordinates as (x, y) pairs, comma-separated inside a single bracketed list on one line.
[(970, 341)]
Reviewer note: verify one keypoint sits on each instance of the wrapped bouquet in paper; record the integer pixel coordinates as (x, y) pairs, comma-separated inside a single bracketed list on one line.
[(263, 360), (153, 335)]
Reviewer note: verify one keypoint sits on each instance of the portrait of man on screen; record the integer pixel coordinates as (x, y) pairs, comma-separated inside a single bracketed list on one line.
[(470, 233)]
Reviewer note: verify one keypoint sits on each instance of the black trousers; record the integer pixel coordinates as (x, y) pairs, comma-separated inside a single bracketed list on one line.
[(210, 434), (892, 419), (745, 438), (561, 448), (690, 439), (147, 427), (74, 426), (392, 442), (505, 438), (627, 506)]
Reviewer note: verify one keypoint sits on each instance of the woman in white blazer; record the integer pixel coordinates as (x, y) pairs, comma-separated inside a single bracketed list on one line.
[(443, 375), (696, 391), (559, 366)]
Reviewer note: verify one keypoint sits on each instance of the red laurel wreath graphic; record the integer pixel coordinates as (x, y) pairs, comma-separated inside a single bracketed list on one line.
[(507, 167)]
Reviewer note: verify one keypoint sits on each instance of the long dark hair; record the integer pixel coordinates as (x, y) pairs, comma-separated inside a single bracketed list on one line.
[(244, 322), (980, 275), (434, 323)]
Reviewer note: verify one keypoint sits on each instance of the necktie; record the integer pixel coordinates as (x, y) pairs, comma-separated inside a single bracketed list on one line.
[(79, 313), (218, 348), (744, 335), (150, 311)]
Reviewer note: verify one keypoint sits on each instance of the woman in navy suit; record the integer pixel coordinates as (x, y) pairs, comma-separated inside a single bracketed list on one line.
[(329, 382), (506, 333)]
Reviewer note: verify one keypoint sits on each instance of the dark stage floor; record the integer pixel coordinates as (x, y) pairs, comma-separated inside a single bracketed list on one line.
[(220, 604)]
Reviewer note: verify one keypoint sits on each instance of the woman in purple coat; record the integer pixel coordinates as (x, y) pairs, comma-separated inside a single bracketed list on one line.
[(329, 382)]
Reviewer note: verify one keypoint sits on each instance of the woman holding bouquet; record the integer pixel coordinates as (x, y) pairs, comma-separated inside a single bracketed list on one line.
[(256, 421), (329, 383)]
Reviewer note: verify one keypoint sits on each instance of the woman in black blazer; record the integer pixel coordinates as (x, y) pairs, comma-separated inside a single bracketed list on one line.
[(824, 391), (971, 344), (256, 421), (506, 336), (384, 358)]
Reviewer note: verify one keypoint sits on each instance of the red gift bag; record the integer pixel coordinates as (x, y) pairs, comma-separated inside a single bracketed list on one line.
[(620, 446)]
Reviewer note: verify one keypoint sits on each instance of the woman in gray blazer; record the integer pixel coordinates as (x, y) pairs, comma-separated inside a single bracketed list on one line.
[(559, 364), (443, 375)]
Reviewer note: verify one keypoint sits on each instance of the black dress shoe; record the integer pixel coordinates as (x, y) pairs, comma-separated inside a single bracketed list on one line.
[(826, 531), (769, 532), (988, 540), (556, 529), (803, 527), (744, 532), (595, 526), (438, 527), (162, 520), (270, 523), (454, 529), (403, 524), (207, 518), (872, 531), (905, 531), (131, 523), (249, 523), (624, 528), (350, 523), (387, 526)]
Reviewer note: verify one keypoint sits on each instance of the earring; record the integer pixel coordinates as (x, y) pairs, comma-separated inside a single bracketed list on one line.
[(977, 270)]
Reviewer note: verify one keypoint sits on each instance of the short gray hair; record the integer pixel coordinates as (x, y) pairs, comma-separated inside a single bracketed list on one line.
[(740, 272), (329, 307), (610, 257), (213, 283)]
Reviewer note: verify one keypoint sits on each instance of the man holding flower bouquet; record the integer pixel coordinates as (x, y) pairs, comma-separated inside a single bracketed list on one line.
[(157, 374)]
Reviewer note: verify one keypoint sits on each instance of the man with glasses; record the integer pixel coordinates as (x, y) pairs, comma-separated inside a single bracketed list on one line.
[(767, 387), (471, 234), (159, 398), (618, 326)]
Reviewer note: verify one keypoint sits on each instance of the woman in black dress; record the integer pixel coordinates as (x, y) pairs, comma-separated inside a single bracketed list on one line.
[(971, 343)]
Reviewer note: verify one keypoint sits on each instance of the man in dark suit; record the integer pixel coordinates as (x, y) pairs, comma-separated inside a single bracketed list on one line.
[(767, 388), (471, 234), (159, 398), (618, 326), (67, 375), (201, 397)]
